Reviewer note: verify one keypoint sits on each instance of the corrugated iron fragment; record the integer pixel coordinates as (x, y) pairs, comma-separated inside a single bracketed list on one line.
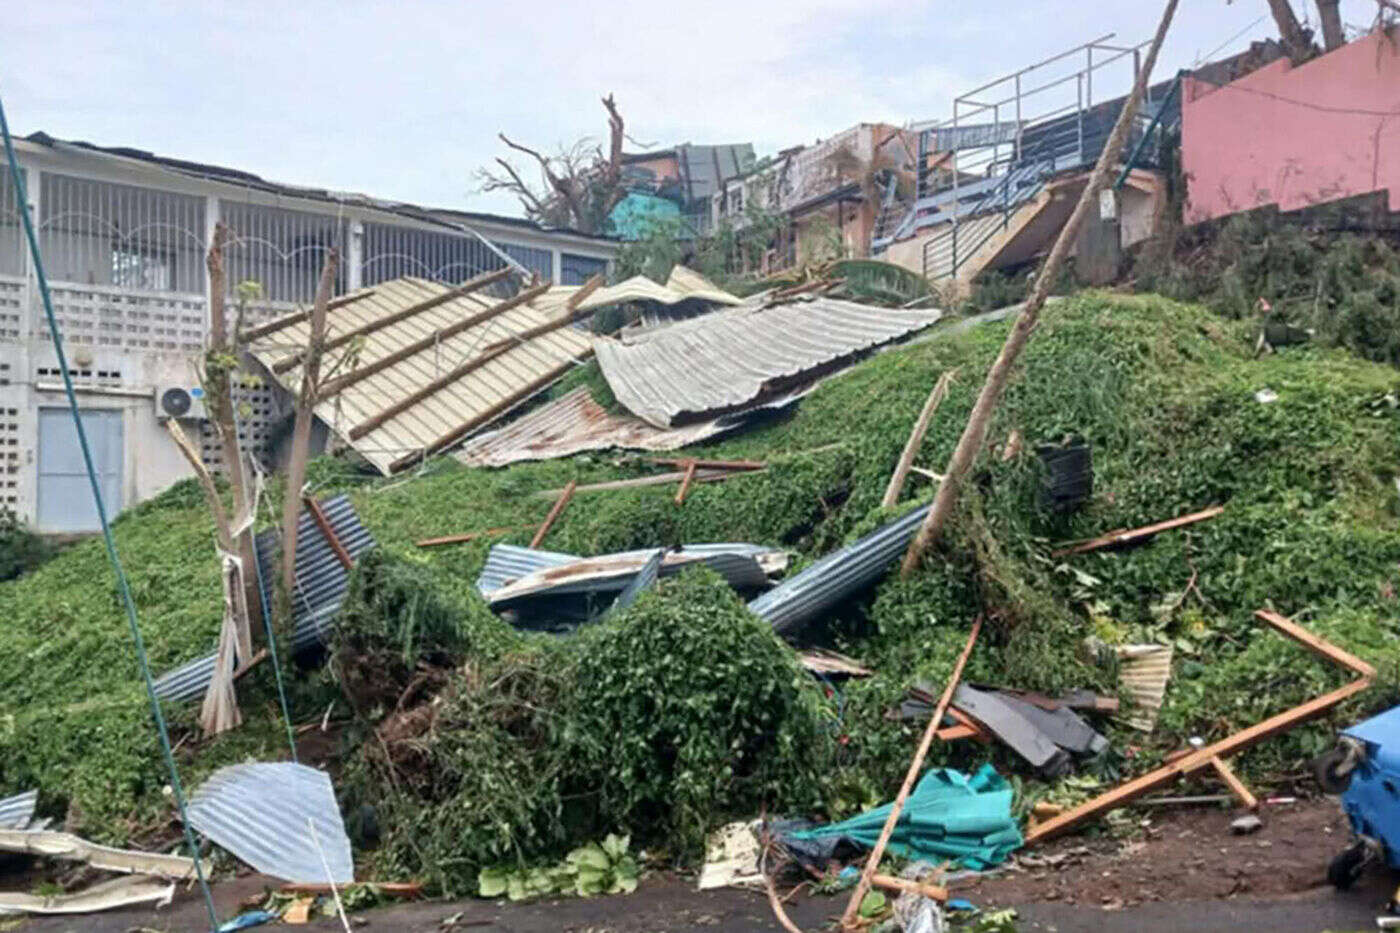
[(18, 811), (1144, 670), (321, 581), (743, 566), (643, 581), (803, 597), (259, 812), (729, 360)]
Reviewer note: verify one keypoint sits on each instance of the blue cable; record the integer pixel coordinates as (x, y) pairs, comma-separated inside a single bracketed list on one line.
[(145, 666)]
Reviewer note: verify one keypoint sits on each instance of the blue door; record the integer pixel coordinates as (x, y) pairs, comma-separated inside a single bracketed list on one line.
[(65, 496)]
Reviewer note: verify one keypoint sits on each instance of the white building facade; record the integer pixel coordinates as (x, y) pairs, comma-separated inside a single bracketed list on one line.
[(123, 236)]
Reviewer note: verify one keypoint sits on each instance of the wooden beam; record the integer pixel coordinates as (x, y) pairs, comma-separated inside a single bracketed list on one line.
[(1124, 536), (318, 515), (891, 883), (459, 539), (1205, 757), (659, 479), (341, 383), (403, 314), (299, 317), (1314, 644), (686, 479), (915, 766), (558, 507), (1233, 782), (496, 410), (916, 437), (684, 462)]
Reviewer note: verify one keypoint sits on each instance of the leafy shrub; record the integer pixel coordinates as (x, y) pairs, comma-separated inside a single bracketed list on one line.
[(21, 550), (688, 708)]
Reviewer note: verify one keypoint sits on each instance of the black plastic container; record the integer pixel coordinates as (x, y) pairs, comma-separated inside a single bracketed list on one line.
[(1069, 475)]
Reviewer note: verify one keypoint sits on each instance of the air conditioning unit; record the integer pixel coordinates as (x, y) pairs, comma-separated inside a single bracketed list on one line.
[(179, 402)]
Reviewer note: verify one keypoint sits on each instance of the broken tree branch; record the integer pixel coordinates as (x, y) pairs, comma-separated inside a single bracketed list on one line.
[(974, 436), (301, 431), (916, 437), (1124, 536), (848, 919)]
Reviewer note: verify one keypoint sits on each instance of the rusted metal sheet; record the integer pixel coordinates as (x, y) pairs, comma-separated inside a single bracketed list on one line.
[(732, 359), (484, 392), (260, 812), (573, 424)]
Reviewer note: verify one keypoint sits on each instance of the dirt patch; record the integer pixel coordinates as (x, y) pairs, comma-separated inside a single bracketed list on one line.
[(1181, 854)]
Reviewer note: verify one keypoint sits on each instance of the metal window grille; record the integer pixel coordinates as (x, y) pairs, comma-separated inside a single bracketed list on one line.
[(575, 270), (11, 234), (538, 261), (281, 250), (392, 252), (102, 233)]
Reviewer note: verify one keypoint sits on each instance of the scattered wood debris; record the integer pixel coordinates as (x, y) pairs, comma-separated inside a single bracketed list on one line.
[(1124, 536)]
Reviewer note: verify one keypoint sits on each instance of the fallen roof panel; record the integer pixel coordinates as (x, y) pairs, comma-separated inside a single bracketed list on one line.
[(510, 352), (575, 423), (683, 285), (16, 812), (730, 359), (264, 813), (549, 574)]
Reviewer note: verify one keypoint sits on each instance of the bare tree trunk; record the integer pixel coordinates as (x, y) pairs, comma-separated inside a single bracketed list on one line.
[(974, 436), (1330, 13), (1295, 41), (301, 432), (220, 368), (220, 710)]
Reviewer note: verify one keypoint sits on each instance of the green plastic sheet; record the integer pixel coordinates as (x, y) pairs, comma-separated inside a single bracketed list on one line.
[(948, 816)]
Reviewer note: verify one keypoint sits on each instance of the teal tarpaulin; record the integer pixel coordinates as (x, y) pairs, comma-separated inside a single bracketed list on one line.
[(948, 816)]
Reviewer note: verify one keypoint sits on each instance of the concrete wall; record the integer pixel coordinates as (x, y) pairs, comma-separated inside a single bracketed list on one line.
[(1295, 136)]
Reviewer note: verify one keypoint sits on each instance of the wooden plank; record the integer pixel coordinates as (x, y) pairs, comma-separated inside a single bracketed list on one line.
[(403, 314), (341, 383), (684, 462), (459, 539), (658, 479), (916, 438), (1125, 536), (324, 524), (1314, 644), (915, 766), (485, 417), (558, 507), (298, 317), (1233, 782), (686, 479)]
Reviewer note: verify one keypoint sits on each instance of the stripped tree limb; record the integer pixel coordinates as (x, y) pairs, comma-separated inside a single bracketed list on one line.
[(916, 438), (848, 919), (301, 431), (974, 436)]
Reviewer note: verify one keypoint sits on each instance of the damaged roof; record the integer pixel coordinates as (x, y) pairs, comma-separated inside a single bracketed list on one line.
[(730, 359), (412, 366), (682, 285)]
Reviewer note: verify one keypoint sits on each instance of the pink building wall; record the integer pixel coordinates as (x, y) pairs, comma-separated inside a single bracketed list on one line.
[(1294, 137)]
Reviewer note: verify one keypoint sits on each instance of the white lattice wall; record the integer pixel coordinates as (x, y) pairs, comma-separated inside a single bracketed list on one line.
[(126, 320), (12, 297)]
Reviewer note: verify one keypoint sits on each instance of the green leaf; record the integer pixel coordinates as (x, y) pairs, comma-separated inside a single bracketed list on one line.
[(590, 856), (616, 846), (872, 905), (491, 882), (515, 887)]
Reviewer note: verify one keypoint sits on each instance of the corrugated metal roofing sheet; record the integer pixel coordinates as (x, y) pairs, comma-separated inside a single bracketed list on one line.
[(476, 395), (16, 812), (743, 566), (575, 423), (802, 597), (1144, 670), (260, 813), (682, 285), (730, 359), (321, 582)]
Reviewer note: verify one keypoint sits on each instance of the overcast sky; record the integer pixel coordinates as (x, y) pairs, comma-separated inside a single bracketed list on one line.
[(403, 100)]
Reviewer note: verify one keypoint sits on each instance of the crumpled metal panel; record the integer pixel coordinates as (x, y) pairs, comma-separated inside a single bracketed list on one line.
[(643, 581), (1143, 671), (683, 285), (321, 584), (731, 359), (803, 597), (743, 566), (260, 812), (507, 562), (16, 812)]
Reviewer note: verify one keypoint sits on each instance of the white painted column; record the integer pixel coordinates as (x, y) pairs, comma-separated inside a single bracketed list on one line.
[(558, 273), (355, 257)]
